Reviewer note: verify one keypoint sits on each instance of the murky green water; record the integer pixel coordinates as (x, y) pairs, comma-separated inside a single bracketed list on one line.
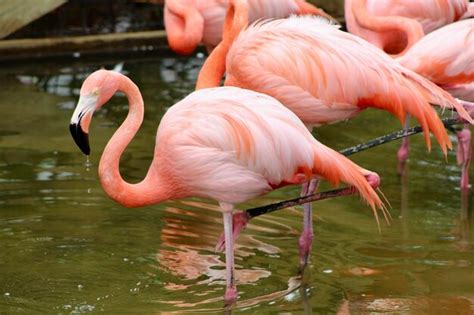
[(67, 248)]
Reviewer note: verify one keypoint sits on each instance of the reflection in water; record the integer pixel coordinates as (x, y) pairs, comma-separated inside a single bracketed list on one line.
[(461, 232), (344, 308), (404, 190), (289, 294)]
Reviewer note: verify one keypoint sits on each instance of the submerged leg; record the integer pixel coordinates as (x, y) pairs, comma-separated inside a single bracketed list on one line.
[(305, 241), (230, 295), (404, 150), (239, 222), (464, 153)]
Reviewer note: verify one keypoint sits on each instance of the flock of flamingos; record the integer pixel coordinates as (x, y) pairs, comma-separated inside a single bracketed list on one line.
[(288, 68)]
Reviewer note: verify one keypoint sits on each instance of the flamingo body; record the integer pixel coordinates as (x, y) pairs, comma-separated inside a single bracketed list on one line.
[(191, 22), (239, 145)]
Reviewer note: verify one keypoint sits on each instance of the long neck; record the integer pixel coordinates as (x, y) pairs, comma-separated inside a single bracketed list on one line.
[(410, 29), (214, 68), (184, 26), (150, 190)]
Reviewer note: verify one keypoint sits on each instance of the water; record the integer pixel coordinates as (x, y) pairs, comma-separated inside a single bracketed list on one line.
[(66, 248)]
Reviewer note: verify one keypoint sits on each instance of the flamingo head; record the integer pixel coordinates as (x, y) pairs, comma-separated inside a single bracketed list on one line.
[(96, 90)]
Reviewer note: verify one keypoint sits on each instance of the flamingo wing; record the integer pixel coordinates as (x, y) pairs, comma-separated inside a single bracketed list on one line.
[(444, 64), (324, 75)]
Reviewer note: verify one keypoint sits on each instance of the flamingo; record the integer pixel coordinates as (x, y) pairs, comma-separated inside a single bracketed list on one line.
[(191, 22), (452, 68), (227, 144), (322, 74), (395, 25)]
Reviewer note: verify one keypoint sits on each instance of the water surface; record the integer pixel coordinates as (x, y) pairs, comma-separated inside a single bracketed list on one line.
[(67, 248)]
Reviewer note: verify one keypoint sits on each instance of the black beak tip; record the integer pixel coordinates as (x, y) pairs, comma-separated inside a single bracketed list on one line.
[(80, 137)]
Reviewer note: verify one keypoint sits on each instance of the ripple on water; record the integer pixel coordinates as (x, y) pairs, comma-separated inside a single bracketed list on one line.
[(30, 292)]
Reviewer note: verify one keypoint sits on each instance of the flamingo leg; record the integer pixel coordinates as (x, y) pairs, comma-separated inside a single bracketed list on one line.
[(464, 153), (305, 241), (239, 223), (230, 295), (404, 150)]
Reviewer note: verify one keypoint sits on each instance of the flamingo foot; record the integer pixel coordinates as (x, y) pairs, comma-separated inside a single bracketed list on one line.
[(239, 222), (305, 244), (230, 296), (373, 179), (464, 154), (402, 156)]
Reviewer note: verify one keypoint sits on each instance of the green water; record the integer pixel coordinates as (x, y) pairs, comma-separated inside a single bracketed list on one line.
[(66, 248)]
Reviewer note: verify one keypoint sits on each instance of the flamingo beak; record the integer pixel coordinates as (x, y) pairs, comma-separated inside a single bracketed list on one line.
[(80, 121)]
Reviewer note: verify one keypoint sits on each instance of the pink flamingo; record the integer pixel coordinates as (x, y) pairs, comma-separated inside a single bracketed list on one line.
[(452, 68), (323, 75), (191, 22), (395, 25), (228, 144)]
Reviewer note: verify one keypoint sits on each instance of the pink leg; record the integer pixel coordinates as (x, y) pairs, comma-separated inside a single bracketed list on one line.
[(373, 179), (239, 223), (230, 295), (404, 151), (306, 239), (463, 153)]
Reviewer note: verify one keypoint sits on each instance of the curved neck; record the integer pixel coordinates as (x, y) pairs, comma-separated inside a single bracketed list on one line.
[(411, 29), (184, 26), (214, 68), (150, 190)]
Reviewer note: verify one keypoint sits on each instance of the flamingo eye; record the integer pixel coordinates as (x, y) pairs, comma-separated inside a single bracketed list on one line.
[(95, 92)]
